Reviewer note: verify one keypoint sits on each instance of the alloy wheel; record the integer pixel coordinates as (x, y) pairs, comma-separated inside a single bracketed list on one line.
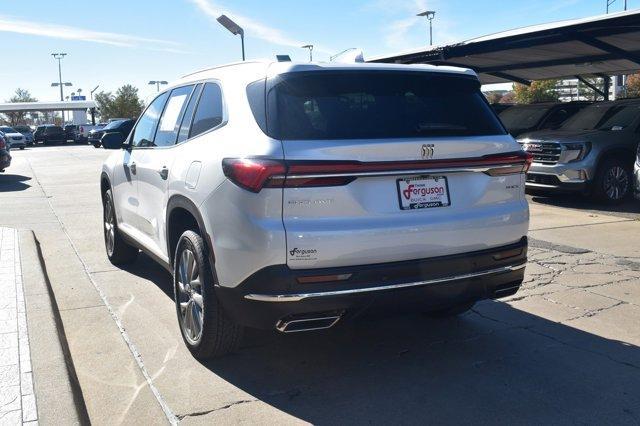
[(190, 300), (616, 183), (109, 227)]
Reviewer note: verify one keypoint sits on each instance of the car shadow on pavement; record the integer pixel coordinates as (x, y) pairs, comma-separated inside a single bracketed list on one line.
[(576, 201), (494, 365), (12, 183)]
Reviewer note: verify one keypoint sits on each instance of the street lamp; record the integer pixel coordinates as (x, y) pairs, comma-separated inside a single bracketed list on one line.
[(59, 56), (233, 28), (158, 83), (610, 2), (91, 92), (310, 47), (430, 14)]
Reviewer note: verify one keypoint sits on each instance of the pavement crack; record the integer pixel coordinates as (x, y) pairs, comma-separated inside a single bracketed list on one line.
[(224, 407)]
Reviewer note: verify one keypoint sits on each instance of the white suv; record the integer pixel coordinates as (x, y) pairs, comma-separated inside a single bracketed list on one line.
[(290, 196)]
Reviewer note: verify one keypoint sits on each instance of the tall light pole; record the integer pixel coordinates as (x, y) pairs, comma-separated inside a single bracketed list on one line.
[(233, 28), (610, 2), (158, 83), (60, 56), (430, 14), (310, 47), (91, 92)]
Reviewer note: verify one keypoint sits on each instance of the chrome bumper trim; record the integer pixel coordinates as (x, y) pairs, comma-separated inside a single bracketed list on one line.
[(296, 297)]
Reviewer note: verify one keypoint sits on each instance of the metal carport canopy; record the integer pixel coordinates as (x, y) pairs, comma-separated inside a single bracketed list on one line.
[(596, 46), (46, 106)]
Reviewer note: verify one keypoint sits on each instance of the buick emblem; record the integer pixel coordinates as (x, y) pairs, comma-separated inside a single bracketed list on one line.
[(427, 150)]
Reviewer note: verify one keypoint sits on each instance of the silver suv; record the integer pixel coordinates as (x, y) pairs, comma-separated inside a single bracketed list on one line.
[(292, 196), (593, 152)]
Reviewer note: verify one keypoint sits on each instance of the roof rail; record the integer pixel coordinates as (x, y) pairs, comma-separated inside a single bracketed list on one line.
[(227, 65)]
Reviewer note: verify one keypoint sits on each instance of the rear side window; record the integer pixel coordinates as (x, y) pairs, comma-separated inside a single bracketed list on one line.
[(374, 105), (209, 110), (143, 135), (183, 135), (169, 126)]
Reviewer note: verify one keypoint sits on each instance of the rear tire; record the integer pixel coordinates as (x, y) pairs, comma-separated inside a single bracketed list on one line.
[(450, 311), (206, 328), (118, 251), (612, 184)]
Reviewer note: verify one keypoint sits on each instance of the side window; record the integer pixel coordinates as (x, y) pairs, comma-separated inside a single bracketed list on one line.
[(145, 130), (188, 114), (557, 118), (209, 110), (170, 122)]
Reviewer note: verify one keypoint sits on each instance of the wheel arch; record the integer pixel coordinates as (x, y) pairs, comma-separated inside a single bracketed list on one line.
[(616, 152), (105, 184), (183, 214)]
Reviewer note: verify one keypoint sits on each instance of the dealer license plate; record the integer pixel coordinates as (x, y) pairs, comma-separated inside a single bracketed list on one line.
[(423, 192)]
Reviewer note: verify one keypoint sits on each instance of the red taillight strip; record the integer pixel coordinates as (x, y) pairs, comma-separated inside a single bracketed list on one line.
[(254, 174), (313, 169)]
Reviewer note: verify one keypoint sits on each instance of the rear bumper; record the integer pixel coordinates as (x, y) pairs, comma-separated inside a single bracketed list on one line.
[(274, 294), (549, 182)]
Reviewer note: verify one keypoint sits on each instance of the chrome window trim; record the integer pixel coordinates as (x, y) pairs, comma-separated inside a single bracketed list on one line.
[(296, 297)]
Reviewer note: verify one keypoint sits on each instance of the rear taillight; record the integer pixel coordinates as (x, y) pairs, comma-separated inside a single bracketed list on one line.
[(3, 144), (508, 164), (253, 174)]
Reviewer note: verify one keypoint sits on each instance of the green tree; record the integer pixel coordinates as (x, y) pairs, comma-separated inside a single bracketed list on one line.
[(125, 103), (21, 95), (633, 86), (538, 91)]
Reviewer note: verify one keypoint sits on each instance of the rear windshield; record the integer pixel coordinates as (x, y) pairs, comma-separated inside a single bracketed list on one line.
[(523, 117), (603, 117), (374, 105)]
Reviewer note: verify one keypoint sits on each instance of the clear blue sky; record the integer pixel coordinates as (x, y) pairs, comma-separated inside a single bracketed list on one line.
[(134, 41)]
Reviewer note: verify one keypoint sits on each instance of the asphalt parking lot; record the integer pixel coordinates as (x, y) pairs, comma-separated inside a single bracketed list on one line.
[(563, 350)]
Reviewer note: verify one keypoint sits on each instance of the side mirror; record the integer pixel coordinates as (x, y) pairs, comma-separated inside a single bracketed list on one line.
[(112, 140)]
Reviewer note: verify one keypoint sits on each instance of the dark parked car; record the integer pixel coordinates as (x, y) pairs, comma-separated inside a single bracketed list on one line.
[(498, 108), (49, 134), (71, 131), (5, 157), (113, 134), (593, 152), (519, 119), (636, 174)]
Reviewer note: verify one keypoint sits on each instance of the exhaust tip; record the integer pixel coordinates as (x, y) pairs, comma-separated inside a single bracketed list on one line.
[(307, 323)]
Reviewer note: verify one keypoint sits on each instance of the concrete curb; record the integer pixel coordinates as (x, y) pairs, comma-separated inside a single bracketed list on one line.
[(55, 379)]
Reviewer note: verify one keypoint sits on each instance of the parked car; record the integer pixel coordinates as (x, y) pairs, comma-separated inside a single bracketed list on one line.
[(520, 119), (14, 138), (319, 190), (85, 129), (5, 156), (96, 133), (498, 108), (71, 132), (26, 132), (636, 174), (49, 134), (114, 134), (593, 152)]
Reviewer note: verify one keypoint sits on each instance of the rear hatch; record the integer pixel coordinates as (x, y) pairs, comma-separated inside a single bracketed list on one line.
[(386, 166)]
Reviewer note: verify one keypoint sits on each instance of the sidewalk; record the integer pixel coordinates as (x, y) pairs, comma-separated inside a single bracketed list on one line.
[(17, 399)]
